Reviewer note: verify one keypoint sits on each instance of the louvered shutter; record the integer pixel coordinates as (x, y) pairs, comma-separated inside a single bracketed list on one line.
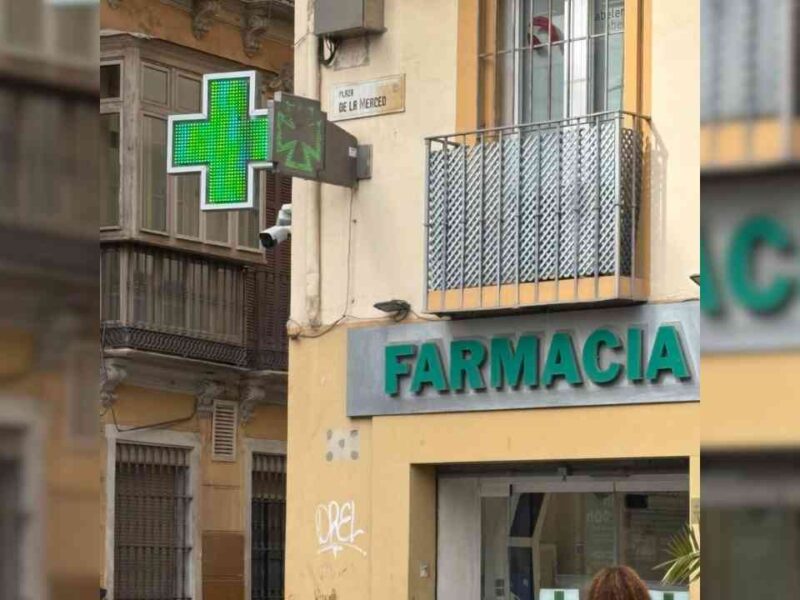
[(223, 430), (272, 286)]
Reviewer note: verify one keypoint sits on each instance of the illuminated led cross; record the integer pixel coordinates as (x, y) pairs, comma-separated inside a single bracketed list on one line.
[(225, 143)]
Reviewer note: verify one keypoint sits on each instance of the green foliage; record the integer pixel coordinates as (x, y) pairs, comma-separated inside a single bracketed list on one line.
[(683, 567)]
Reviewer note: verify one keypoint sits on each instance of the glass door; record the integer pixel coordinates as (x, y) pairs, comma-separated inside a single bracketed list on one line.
[(545, 538)]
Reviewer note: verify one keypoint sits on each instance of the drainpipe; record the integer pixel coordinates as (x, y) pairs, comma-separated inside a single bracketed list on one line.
[(313, 199)]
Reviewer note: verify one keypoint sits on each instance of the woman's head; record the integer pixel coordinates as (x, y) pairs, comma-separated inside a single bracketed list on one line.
[(617, 583)]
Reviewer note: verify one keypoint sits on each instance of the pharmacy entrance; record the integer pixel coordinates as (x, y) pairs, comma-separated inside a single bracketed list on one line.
[(540, 531)]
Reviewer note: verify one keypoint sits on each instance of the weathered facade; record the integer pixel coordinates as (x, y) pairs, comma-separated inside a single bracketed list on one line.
[(49, 489), (751, 306), (521, 408), (193, 392)]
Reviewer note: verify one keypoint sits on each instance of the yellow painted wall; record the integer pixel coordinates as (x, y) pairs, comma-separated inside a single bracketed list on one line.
[(379, 225), (675, 159), (392, 483), (222, 497), (394, 494), (750, 400), (69, 498)]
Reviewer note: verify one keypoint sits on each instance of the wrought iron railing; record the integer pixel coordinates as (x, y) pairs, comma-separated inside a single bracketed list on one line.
[(195, 306), (535, 214)]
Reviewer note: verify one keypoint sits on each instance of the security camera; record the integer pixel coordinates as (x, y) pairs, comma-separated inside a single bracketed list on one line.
[(274, 235), (281, 231)]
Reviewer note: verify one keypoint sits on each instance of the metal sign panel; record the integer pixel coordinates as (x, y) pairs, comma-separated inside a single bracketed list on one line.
[(368, 98), (632, 355), (225, 143), (299, 137), (750, 281)]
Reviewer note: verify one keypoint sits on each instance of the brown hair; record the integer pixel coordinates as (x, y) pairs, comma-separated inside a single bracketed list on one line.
[(618, 583)]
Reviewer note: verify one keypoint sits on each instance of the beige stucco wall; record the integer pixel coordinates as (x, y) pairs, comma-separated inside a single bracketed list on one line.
[(393, 499), (387, 211), (675, 164), (391, 484), (381, 220)]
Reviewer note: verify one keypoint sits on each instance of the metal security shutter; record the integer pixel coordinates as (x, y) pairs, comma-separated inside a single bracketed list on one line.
[(223, 432), (151, 526), (268, 533)]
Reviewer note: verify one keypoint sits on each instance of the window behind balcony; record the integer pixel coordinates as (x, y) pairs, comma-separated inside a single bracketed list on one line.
[(138, 91), (744, 45), (544, 60)]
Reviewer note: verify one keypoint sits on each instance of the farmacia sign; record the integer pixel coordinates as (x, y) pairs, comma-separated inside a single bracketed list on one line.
[(616, 356)]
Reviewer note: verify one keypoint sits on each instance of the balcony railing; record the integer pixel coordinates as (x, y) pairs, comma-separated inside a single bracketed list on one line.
[(536, 214), (194, 306)]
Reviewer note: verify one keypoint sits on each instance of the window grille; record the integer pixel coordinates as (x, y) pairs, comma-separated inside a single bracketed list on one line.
[(546, 60), (152, 544), (744, 49), (268, 526)]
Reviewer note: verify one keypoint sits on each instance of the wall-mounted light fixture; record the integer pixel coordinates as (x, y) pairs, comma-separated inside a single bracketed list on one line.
[(398, 308)]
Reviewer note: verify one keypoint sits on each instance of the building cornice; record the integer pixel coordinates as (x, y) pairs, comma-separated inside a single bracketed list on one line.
[(206, 381)]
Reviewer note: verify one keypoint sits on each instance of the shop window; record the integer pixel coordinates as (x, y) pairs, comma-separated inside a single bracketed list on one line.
[(543, 535), (751, 524), (543, 60), (534, 544)]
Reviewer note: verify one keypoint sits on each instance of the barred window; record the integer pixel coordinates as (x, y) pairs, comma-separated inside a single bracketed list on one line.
[(268, 526), (152, 544), (12, 518), (544, 60)]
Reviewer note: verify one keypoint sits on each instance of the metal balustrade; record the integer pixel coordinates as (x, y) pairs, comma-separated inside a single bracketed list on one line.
[(536, 214), (195, 306)]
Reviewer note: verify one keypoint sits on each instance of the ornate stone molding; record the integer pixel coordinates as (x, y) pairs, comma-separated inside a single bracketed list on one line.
[(111, 375), (255, 29), (209, 391), (252, 393), (283, 81), (203, 14)]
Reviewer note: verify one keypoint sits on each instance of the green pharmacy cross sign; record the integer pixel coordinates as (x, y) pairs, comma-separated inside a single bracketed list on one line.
[(225, 143), (299, 135)]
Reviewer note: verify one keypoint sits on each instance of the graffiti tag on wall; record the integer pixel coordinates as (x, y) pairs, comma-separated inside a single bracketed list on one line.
[(337, 529)]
